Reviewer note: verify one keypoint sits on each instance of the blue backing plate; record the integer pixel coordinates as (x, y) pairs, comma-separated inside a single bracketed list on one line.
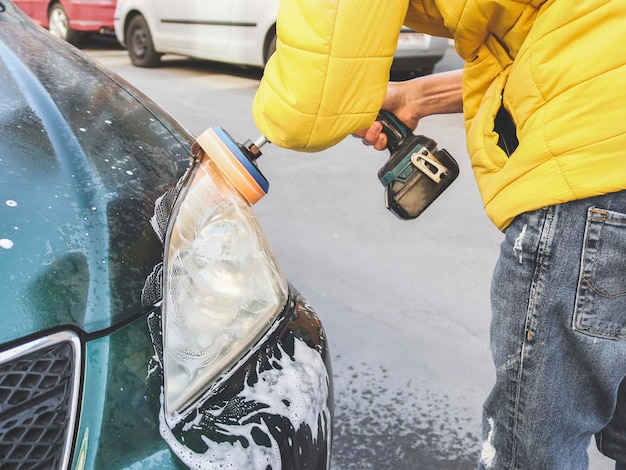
[(236, 151)]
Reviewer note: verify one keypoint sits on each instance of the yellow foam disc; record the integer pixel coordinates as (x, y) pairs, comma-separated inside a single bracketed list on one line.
[(230, 166)]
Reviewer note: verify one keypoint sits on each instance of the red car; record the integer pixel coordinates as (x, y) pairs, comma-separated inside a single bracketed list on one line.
[(70, 19)]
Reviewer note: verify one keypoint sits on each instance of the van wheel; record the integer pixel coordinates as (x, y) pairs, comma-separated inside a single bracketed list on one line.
[(139, 43), (59, 25), (271, 48)]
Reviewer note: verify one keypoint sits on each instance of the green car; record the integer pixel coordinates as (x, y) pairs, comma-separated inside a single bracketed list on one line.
[(146, 323)]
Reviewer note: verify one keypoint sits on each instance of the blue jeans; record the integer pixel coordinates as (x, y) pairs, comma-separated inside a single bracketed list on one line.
[(558, 338)]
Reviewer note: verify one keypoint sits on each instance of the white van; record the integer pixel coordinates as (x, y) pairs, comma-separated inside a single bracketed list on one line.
[(234, 31)]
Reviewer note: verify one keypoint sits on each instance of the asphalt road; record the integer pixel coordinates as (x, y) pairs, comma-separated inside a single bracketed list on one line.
[(404, 303)]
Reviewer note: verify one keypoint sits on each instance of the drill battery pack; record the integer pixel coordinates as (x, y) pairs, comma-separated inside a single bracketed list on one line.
[(416, 173)]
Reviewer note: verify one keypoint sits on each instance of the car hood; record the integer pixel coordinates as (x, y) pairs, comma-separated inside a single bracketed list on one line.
[(83, 156)]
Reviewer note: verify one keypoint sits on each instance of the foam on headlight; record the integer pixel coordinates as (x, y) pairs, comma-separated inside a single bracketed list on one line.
[(222, 285)]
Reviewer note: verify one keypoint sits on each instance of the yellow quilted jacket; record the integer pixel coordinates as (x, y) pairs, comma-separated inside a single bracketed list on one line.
[(558, 66)]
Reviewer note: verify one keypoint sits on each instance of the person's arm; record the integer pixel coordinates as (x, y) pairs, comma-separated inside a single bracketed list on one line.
[(414, 99), (329, 74)]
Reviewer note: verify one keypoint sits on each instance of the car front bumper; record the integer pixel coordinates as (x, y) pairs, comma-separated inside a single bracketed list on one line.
[(273, 408)]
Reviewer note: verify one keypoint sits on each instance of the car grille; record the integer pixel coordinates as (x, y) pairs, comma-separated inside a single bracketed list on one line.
[(38, 397)]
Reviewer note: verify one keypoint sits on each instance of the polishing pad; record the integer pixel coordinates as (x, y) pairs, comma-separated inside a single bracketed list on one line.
[(242, 173)]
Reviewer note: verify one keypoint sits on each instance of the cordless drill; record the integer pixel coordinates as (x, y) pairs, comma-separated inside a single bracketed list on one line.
[(414, 176)]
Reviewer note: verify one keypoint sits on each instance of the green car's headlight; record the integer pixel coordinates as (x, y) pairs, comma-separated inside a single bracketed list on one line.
[(222, 285)]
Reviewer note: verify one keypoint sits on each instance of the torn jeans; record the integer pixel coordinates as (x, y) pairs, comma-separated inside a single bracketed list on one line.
[(558, 338)]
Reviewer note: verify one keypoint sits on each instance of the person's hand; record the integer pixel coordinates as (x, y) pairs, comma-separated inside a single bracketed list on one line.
[(414, 99), (398, 101), (373, 135)]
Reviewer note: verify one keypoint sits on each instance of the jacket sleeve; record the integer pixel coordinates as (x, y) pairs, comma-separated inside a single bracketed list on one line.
[(329, 75)]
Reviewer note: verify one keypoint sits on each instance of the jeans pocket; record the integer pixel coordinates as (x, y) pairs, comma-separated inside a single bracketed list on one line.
[(601, 293)]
